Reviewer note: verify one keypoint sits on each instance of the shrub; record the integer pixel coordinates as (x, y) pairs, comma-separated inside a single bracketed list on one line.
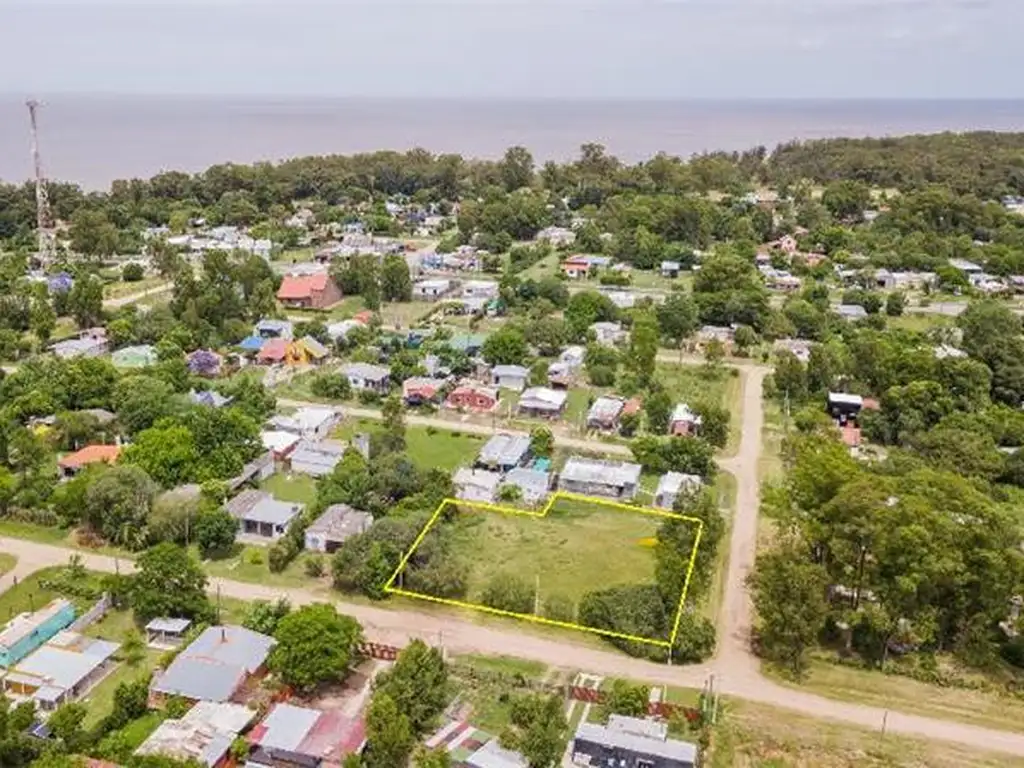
[(331, 386), (314, 566), (132, 273), (559, 608), (509, 593)]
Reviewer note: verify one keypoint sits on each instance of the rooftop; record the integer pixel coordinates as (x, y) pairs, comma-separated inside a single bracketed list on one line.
[(90, 455), (204, 734), (340, 522), (215, 664), (620, 734), (65, 661), (366, 371), (302, 286), (581, 470), (504, 450), (261, 507), (543, 396), (25, 624)]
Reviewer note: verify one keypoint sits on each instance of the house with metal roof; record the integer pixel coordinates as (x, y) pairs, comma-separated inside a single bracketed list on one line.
[(306, 738), (476, 484), (683, 421), (671, 485), (262, 516), (337, 524), (533, 484), (60, 671), (542, 402), (631, 742), (27, 631), (139, 356), (596, 477), (608, 333), (308, 422), (503, 452), (317, 457), (274, 329), (367, 376), (91, 342), (214, 667), (512, 377), (605, 412), (204, 734)]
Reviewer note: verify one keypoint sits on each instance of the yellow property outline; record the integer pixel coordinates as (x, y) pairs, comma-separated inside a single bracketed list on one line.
[(389, 587)]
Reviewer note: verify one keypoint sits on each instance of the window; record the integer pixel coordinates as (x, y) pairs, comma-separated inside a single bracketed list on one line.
[(644, 764)]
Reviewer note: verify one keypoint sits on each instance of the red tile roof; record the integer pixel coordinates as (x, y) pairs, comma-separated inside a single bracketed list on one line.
[(301, 286), (90, 455), (274, 349)]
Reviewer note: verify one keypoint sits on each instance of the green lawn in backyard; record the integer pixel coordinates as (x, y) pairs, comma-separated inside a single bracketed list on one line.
[(249, 563), (429, 448), (296, 488), (696, 384), (343, 310), (405, 314), (489, 683), (100, 699), (577, 548), (920, 321)]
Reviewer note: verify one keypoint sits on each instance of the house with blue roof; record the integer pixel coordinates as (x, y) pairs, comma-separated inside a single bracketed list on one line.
[(28, 631)]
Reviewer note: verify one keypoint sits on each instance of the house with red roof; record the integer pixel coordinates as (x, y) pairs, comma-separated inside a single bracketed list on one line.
[(471, 397), (73, 463), (308, 291)]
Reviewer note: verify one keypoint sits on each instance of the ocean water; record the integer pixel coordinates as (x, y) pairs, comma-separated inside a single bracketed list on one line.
[(94, 140)]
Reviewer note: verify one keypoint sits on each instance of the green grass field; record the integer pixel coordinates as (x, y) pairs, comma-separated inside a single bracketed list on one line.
[(296, 488), (577, 548), (439, 448)]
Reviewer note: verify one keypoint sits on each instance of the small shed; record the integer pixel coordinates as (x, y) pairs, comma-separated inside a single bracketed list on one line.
[(335, 526), (166, 633)]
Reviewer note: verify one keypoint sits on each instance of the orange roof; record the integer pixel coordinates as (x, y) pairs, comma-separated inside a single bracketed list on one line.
[(90, 455), (301, 286), (363, 317)]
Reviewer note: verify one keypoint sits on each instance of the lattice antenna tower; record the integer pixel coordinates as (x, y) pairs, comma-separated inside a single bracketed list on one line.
[(44, 218)]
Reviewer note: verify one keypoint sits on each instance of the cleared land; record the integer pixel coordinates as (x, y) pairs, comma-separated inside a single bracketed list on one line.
[(575, 549), (427, 447)]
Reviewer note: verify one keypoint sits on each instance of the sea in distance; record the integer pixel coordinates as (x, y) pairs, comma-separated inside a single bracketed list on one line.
[(92, 140)]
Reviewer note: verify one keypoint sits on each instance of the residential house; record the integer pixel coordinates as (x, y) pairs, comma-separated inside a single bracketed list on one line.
[(314, 352), (255, 471), (504, 452), (27, 631), (473, 397), (166, 633), (594, 477), (542, 402), (367, 376), (492, 755), (621, 299), (470, 747), (418, 390), (62, 282), (317, 291), (799, 348), (630, 742), (532, 483), (722, 334), (279, 442), (297, 737), (216, 666), (943, 351), (844, 406), (205, 362), (260, 515), (605, 412), (683, 421), (607, 333), (337, 524), (274, 351), (562, 372), (308, 422), (433, 289), (470, 343), (671, 485), (202, 735), (316, 458), (141, 356), (476, 484), (670, 269), (579, 266), (71, 464), (210, 398), (967, 267), (480, 289), (514, 377), (90, 343), (274, 329), (60, 671), (557, 236), (851, 311), (340, 330)]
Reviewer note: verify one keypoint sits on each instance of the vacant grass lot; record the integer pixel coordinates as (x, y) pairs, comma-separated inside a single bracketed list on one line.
[(428, 448), (296, 488), (577, 548)]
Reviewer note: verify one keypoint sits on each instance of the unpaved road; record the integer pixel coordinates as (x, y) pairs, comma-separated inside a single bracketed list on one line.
[(735, 669)]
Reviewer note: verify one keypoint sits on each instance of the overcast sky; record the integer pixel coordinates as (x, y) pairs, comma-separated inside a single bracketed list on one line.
[(645, 49)]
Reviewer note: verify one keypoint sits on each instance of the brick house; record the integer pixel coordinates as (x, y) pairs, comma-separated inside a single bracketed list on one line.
[(308, 291), (473, 398)]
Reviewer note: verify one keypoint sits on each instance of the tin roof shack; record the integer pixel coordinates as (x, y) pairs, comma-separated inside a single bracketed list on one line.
[(27, 631), (504, 452), (533, 484), (493, 755), (317, 458), (542, 402), (274, 329), (844, 407), (261, 515), (166, 634), (214, 667), (306, 738), (476, 484), (683, 421), (594, 477), (631, 742), (90, 343), (367, 376), (308, 422), (512, 377), (67, 666), (605, 412), (337, 524), (204, 734), (671, 485)]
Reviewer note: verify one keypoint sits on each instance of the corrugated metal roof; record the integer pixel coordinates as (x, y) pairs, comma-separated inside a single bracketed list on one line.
[(169, 625), (670, 749), (286, 727), (580, 470), (504, 450), (215, 664)]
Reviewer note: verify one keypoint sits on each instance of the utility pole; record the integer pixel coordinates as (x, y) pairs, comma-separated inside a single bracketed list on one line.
[(45, 233)]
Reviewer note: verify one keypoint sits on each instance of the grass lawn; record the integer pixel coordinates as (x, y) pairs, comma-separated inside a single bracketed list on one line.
[(920, 321), (488, 683), (343, 310), (695, 384), (772, 433), (121, 289), (989, 708), (405, 314), (750, 735), (296, 488), (7, 562), (577, 548), (30, 594), (249, 563), (100, 699), (428, 448)]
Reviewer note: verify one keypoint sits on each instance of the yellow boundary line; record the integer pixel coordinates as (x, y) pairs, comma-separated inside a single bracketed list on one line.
[(390, 587)]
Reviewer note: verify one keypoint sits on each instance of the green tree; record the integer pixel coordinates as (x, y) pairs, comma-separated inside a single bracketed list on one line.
[(677, 318), (66, 724), (168, 582), (117, 505), (516, 168), (92, 234), (506, 346), (389, 733), (394, 425), (395, 282), (168, 454), (141, 401), (432, 758), (542, 442), (215, 531), (641, 355), (315, 644), (263, 616), (789, 594), (627, 699), (895, 303), (85, 301), (509, 593), (417, 683), (538, 730), (658, 409)]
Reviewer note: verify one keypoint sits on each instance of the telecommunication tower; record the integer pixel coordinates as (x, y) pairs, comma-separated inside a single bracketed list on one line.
[(44, 218)]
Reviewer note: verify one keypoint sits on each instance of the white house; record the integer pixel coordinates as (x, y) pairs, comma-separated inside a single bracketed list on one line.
[(432, 289), (671, 485), (336, 525), (261, 516), (476, 484), (308, 422), (367, 376), (512, 377)]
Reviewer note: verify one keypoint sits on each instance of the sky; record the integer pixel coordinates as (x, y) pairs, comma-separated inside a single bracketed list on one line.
[(516, 49)]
